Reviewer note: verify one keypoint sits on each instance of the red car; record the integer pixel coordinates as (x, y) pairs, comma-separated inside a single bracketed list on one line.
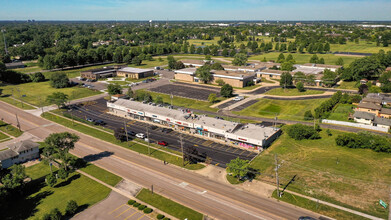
[(163, 143)]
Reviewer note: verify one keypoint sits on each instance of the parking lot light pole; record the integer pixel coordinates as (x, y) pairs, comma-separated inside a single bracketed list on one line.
[(149, 148), (183, 156), (126, 132)]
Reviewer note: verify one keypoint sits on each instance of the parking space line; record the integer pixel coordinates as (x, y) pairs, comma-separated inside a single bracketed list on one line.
[(228, 149), (117, 208), (249, 154), (242, 152), (123, 212), (235, 150), (131, 215), (141, 217)]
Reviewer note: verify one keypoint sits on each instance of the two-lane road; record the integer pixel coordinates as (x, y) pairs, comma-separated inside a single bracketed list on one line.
[(213, 198)]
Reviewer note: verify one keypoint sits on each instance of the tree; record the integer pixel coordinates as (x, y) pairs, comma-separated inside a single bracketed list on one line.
[(220, 82), (55, 214), (224, 52), (119, 134), (238, 167), (232, 53), (212, 98), (128, 59), (289, 58), (159, 100), (329, 78), (226, 91), (62, 174), (300, 87), (300, 132), (59, 80), (61, 59), (58, 98), (192, 49), (281, 58), (363, 89), (130, 93), (339, 61), (179, 65), (216, 66), (171, 62), (240, 59), (51, 180), (71, 207), (49, 62), (203, 73), (15, 178), (37, 77), (287, 66), (49, 153), (308, 115), (299, 77), (114, 89), (314, 59), (321, 60), (137, 61), (286, 80), (62, 142), (327, 48), (191, 155)]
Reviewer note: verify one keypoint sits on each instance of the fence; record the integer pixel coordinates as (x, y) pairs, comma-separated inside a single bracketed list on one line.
[(357, 125)]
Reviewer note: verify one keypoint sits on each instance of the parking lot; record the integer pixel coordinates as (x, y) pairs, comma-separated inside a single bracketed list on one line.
[(226, 104), (245, 105), (113, 207), (187, 91), (218, 152)]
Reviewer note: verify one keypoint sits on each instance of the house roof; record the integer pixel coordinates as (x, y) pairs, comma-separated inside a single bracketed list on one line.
[(364, 115), (377, 100), (385, 111), (382, 121), (23, 145), (388, 68), (369, 105), (7, 154), (134, 70), (196, 62)]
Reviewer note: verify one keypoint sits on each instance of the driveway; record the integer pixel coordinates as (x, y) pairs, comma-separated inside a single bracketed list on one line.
[(113, 207)]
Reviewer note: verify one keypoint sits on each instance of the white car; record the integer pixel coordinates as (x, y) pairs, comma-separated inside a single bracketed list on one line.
[(238, 98), (140, 135)]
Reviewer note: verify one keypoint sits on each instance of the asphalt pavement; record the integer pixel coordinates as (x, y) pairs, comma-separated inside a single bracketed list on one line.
[(221, 154)]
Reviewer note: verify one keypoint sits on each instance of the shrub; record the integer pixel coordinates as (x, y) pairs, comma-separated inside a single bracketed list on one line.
[(51, 180), (220, 82), (62, 174), (59, 80), (71, 207), (300, 132), (308, 115), (142, 207), (300, 87), (165, 218), (147, 210), (131, 202), (136, 204), (55, 214), (47, 216), (364, 140), (160, 216), (329, 132)]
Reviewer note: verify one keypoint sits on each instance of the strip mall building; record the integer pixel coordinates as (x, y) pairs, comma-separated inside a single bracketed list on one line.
[(249, 136)]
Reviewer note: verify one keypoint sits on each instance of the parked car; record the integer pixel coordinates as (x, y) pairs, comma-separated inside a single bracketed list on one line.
[(163, 143), (140, 135), (153, 127), (100, 122), (166, 130), (238, 98), (131, 133), (90, 119)]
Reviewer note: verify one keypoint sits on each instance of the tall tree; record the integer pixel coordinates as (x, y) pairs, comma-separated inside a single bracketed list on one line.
[(59, 80), (58, 98), (240, 59), (238, 167), (226, 91), (114, 89), (204, 74), (62, 142), (286, 80)]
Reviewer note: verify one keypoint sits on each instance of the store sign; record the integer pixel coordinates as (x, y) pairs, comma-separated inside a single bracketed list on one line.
[(242, 139), (178, 122), (167, 119), (205, 129), (140, 113)]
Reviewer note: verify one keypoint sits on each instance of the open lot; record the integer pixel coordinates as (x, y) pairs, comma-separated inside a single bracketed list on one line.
[(292, 92), (326, 171), (36, 93), (341, 112), (283, 109), (220, 153)]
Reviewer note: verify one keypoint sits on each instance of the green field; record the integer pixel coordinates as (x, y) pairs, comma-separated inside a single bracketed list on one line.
[(101, 174), (341, 112), (4, 137), (326, 171), (168, 206), (349, 85), (36, 93), (291, 92), (362, 47), (284, 109), (135, 146), (9, 129), (40, 199), (184, 102)]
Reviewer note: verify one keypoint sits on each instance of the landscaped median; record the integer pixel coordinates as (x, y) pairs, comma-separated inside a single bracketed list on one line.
[(168, 206), (133, 145)]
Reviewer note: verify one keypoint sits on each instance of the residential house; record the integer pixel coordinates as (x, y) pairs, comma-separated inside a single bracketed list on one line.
[(363, 117), (19, 152), (368, 107), (385, 113)]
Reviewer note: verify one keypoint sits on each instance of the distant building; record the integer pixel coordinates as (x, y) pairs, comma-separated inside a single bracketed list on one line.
[(18, 153), (134, 73), (194, 63), (15, 65), (371, 119), (270, 74), (116, 70)]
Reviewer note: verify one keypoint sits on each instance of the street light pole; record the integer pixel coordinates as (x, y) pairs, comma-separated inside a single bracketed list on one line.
[(183, 156), (149, 148)]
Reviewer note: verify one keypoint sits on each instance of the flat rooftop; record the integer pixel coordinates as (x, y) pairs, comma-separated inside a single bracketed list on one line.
[(257, 132), (134, 70), (190, 71), (232, 74), (227, 126)]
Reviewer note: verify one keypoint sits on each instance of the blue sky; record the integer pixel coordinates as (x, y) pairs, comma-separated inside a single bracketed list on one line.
[(195, 9)]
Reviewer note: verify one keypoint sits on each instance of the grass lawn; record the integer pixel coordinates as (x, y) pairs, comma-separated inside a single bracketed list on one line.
[(318, 208), (341, 112), (132, 145), (186, 103), (166, 205), (29, 69), (40, 198), (150, 64), (233, 180), (362, 47), (292, 92), (36, 93), (354, 178), (3, 137), (16, 103), (284, 109), (305, 57), (102, 174), (349, 85), (9, 129)]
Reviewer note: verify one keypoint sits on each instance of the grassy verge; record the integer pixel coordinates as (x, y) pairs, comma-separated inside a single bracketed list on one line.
[(9, 129), (315, 207), (292, 92), (349, 85), (168, 206), (233, 180), (101, 174), (39, 199), (184, 102), (111, 139), (3, 137), (16, 103), (284, 109), (353, 178), (341, 112)]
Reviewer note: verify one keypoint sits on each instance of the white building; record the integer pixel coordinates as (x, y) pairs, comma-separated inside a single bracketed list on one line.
[(18, 153)]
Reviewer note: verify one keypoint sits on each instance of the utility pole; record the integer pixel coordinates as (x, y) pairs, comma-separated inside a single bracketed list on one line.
[(5, 42), (149, 148), (71, 117), (126, 132), (277, 179), (181, 142), (17, 121)]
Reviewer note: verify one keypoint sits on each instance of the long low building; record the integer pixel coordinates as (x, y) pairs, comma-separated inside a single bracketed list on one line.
[(249, 136), (117, 70)]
